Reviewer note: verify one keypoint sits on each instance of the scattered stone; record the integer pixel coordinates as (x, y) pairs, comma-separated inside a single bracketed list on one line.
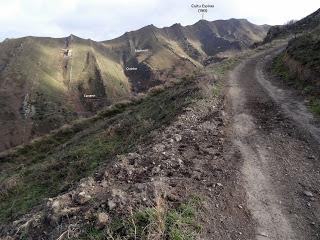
[(88, 214), (263, 234), (111, 204), (87, 182), (102, 220), (173, 198), (180, 162), (174, 149), (156, 169), (55, 206), (83, 198), (177, 137), (196, 175), (159, 148), (308, 194), (104, 184), (240, 206)]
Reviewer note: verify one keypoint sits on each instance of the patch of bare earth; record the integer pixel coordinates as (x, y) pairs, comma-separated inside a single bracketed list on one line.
[(280, 152)]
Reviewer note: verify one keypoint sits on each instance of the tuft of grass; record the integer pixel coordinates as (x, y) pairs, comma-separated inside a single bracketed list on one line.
[(216, 89), (158, 222), (223, 67), (314, 106), (95, 234), (280, 69)]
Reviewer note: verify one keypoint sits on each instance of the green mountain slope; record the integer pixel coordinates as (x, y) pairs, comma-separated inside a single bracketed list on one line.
[(46, 82)]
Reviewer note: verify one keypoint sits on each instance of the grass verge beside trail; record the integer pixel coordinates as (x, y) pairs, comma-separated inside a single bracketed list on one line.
[(307, 89)]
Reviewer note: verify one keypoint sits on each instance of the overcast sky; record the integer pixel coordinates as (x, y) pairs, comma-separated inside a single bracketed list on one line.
[(106, 19)]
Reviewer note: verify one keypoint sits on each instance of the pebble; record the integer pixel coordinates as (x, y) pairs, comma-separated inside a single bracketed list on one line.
[(178, 137), (111, 204), (308, 193), (102, 220)]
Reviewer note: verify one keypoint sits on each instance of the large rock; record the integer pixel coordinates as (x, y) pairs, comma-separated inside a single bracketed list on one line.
[(82, 198)]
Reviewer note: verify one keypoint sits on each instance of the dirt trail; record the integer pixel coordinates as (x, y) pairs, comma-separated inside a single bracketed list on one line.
[(277, 139)]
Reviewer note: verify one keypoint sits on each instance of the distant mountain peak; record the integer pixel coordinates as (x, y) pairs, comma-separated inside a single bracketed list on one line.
[(43, 70)]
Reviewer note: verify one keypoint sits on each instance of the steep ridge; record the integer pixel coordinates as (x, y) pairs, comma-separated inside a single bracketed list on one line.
[(304, 25), (46, 82)]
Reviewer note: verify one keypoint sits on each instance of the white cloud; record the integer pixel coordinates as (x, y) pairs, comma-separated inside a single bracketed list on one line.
[(105, 19)]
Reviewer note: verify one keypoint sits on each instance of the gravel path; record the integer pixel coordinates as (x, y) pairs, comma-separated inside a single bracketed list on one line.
[(279, 145)]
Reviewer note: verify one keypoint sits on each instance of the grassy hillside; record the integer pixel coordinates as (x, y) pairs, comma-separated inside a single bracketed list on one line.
[(52, 164), (306, 50), (42, 86), (299, 65)]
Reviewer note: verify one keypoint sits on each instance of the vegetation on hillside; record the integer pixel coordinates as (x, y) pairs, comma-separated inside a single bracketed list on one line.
[(52, 164), (158, 222), (306, 50), (307, 88)]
